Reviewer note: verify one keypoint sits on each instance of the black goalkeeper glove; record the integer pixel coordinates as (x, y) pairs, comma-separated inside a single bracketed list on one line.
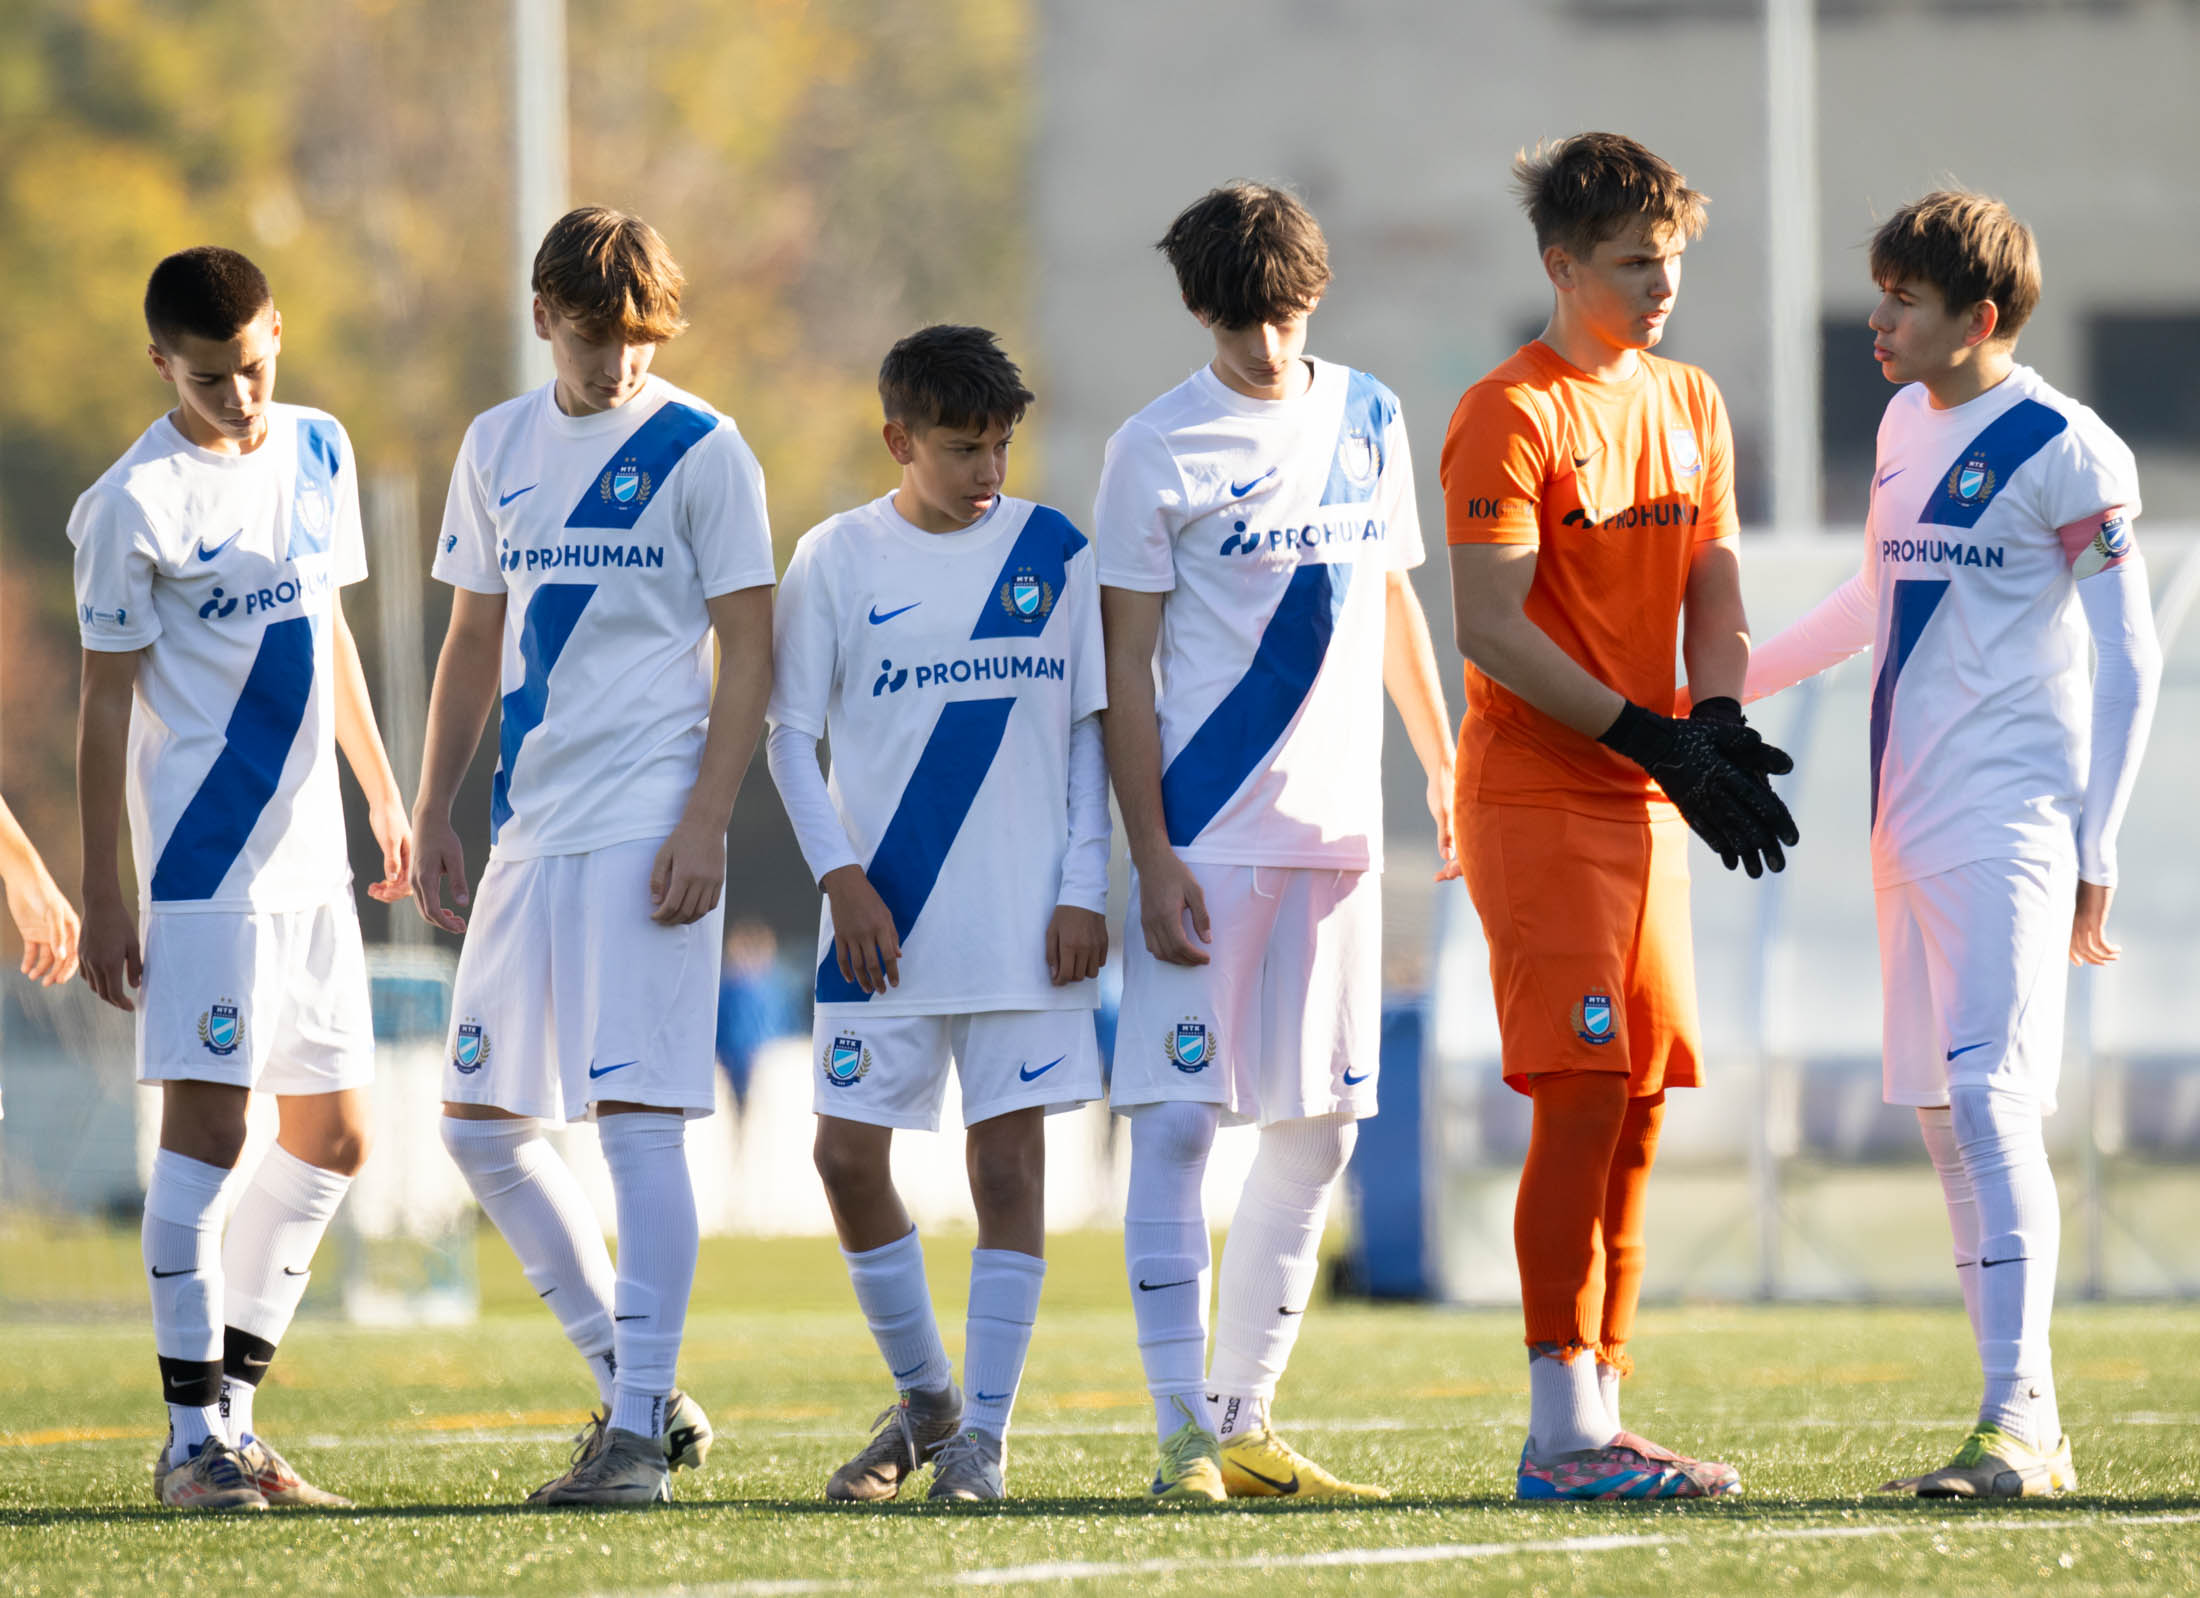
[(1714, 767)]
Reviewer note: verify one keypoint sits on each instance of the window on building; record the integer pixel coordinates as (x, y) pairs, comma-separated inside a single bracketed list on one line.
[(2146, 376), (1851, 398)]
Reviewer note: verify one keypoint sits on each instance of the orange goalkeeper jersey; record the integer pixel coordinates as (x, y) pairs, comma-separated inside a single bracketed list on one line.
[(1614, 483)]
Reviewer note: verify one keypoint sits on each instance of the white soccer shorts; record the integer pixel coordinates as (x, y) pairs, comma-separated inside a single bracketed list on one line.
[(1283, 1022), (891, 1070), (569, 994), (1974, 966), (275, 1001)]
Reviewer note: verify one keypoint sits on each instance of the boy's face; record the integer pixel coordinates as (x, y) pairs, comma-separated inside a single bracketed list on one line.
[(950, 476), (1257, 361), (223, 386), (593, 374), (1623, 290), (1916, 337)]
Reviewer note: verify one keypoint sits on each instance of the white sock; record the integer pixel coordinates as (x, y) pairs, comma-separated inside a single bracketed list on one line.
[(1269, 1261), (1004, 1303), (1608, 1390), (182, 1248), (2004, 1151), (267, 1252), (658, 1238), (1939, 1131), (1166, 1250), (531, 1197), (1566, 1412), (896, 1304)]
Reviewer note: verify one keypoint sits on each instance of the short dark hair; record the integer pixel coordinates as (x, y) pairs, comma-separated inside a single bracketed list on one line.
[(207, 292), (949, 376), (611, 275), (1969, 247), (1580, 191), (1246, 254)]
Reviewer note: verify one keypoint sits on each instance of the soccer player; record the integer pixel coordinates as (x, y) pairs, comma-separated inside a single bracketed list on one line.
[(1999, 537), (601, 532), (219, 680), (1256, 524), (946, 638), (1589, 506)]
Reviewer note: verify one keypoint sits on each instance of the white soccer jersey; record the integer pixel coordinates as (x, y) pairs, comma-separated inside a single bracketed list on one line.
[(223, 569), (1271, 525), (947, 669), (1983, 517), (607, 532)]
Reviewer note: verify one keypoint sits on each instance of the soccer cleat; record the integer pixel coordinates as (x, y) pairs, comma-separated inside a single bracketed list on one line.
[(1191, 1464), (1626, 1467), (971, 1466), (626, 1470), (212, 1479), (1993, 1464), (279, 1483), (1259, 1464), (687, 1436), (902, 1438)]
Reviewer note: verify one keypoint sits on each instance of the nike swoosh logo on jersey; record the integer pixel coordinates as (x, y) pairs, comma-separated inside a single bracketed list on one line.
[(1967, 1048), (1583, 460), (1145, 1286), (1029, 1075), (209, 554), (876, 618), (1352, 1081), (1240, 490), (162, 1275), (595, 1072), (1891, 476), (1284, 1487), (506, 499)]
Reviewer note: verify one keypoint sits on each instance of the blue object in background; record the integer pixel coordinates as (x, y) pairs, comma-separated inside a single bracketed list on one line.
[(1388, 1254)]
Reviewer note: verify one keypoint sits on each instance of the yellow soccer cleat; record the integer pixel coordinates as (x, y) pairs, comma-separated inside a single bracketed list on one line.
[(1259, 1464), (1191, 1464), (1993, 1464)]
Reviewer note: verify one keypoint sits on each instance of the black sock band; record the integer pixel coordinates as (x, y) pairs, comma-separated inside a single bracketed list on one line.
[(245, 1357), (196, 1382)]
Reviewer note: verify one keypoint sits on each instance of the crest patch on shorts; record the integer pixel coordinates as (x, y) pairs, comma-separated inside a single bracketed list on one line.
[(221, 1027), (1190, 1047), (847, 1062), (1592, 1018)]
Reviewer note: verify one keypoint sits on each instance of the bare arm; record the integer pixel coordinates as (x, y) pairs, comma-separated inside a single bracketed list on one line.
[(361, 740), (1409, 672), (41, 911), (1714, 624), (466, 677), (1489, 596), (113, 959), (1167, 890), (690, 872)]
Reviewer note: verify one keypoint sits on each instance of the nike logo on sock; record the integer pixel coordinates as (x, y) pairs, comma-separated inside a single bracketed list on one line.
[(176, 1386), (164, 1275), (630, 1317), (1145, 1286), (2014, 1259), (287, 1271), (1284, 1487), (1967, 1048), (911, 1371), (1280, 1310), (989, 1398), (1029, 1075), (594, 1073), (546, 1292)]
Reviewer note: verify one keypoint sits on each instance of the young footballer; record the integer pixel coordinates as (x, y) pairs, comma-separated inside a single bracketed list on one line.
[(1255, 526), (602, 532), (219, 681), (1998, 544), (946, 638), (1589, 506)]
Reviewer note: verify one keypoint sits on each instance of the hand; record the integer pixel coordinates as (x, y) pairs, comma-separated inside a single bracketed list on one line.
[(688, 876), (392, 829), (1439, 806), (1077, 944), (2089, 943), (865, 944), (112, 955), (1167, 893), (49, 927), (437, 857), (1714, 767)]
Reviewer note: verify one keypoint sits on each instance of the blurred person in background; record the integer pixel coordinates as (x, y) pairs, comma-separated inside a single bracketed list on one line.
[(756, 1001), (43, 917)]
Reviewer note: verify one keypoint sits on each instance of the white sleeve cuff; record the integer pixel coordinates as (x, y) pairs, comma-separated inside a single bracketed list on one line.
[(791, 754)]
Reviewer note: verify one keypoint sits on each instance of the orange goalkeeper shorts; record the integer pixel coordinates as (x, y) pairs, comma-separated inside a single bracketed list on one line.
[(1590, 951)]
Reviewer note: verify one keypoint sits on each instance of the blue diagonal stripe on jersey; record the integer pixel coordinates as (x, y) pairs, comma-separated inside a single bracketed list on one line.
[(1915, 600), (1369, 409), (214, 826), (1044, 548), (551, 617), (319, 460), (650, 452), (937, 799), (1232, 743), (2008, 441)]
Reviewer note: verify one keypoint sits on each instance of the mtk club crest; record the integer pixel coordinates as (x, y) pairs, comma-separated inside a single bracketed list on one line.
[(221, 1028), (847, 1062), (1972, 482), (1593, 1018), (1027, 596), (625, 484), (1190, 1047), (471, 1052), (1681, 443), (1359, 458)]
